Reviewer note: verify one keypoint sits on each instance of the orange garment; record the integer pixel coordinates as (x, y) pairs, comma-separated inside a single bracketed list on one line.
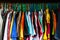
[(54, 21), (21, 36)]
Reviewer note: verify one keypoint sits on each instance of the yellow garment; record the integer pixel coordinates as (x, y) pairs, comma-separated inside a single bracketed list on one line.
[(48, 19), (47, 16), (45, 36), (21, 36), (11, 26)]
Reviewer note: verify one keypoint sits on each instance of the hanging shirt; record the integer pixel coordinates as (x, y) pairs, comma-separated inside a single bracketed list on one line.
[(4, 17), (18, 22), (45, 33), (11, 25), (54, 23), (48, 22), (57, 33), (14, 28), (26, 28), (30, 26), (33, 22), (21, 36), (6, 28), (1, 22), (41, 19), (36, 25), (40, 28)]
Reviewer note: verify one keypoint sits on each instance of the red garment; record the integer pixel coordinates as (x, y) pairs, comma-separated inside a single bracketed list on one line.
[(8, 37), (40, 27), (48, 30)]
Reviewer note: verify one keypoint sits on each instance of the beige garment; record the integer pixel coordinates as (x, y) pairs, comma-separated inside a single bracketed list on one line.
[(1, 22), (18, 22)]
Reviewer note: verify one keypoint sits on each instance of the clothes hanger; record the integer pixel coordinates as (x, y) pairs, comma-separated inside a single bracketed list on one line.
[(24, 7)]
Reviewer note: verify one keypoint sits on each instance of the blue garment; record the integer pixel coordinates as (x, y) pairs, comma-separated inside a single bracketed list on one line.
[(30, 26), (57, 34), (14, 29)]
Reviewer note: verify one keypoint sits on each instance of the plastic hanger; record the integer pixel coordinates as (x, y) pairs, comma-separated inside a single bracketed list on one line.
[(24, 7)]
